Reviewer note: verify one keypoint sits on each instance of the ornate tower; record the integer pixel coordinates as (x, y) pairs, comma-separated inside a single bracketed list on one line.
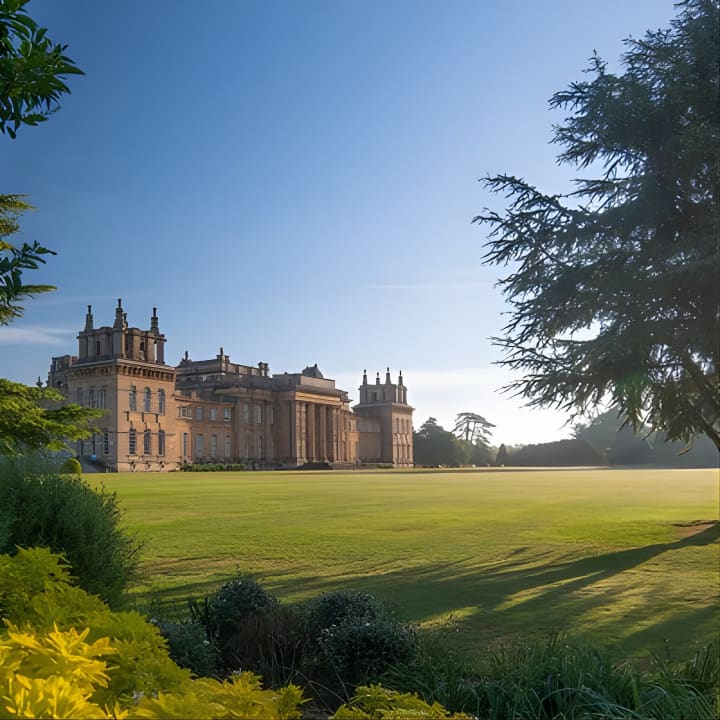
[(122, 370), (385, 421)]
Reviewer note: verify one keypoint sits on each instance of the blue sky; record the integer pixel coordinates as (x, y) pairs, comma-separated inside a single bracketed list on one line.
[(295, 181)]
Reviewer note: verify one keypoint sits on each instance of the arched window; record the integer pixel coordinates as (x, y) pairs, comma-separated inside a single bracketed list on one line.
[(161, 402), (147, 400), (147, 443), (133, 398), (132, 442)]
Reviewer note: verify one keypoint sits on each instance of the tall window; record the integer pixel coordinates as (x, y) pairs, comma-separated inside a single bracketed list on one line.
[(106, 443), (198, 413), (79, 396), (91, 397), (199, 449), (161, 402), (227, 415), (269, 414), (147, 442), (161, 442), (148, 400), (186, 440), (228, 446), (102, 398), (132, 442), (257, 412), (213, 446), (246, 412), (133, 398), (213, 414)]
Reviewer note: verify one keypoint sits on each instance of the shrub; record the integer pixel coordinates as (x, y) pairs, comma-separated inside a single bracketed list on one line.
[(229, 615), (375, 702), (189, 647), (355, 638), (62, 512), (71, 466), (116, 666)]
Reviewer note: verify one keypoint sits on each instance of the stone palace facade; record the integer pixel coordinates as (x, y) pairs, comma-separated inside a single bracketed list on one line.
[(159, 416)]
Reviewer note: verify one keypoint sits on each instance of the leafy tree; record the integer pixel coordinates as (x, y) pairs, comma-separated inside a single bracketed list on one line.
[(36, 418), (32, 69), (433, 445), (613, 287), (502, 455), (14, 260), (473, 428)]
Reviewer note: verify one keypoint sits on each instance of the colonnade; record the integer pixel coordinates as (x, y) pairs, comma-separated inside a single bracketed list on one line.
[(317, 432)]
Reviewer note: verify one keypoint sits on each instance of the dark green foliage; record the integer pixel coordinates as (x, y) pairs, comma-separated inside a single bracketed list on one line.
[(42, 507), (355, 638), (190, 648), (211, 467), (559, 453), (502, 455), (613, 289), (433, 445), (32, 69), (71, 466)]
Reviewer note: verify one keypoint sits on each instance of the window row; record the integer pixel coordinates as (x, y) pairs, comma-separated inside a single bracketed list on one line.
[(213, 446), (147, 442), (94, 397), (403, 425), (147, 400), (200, 413)]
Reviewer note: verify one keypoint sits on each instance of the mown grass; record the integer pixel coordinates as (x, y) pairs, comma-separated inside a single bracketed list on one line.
[(625, 558)]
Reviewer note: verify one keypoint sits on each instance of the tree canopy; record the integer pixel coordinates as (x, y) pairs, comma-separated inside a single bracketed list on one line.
[(15, 260), (32, 69), (31, 72), (613, 287)]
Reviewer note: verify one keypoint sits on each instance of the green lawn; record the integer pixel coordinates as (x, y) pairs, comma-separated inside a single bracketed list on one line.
[(627, 557)]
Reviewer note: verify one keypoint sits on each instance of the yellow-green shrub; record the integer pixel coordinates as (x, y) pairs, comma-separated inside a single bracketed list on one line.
[(374, 702), (63, 653)]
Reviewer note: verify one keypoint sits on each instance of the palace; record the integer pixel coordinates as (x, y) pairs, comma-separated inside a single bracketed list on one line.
[(161, 416)]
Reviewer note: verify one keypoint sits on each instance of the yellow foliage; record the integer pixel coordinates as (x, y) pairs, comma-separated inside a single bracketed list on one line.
[(117, 666)]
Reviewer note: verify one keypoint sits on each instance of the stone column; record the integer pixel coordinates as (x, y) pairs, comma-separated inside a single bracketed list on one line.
[(322, 433), (311, 432), (333, 450)]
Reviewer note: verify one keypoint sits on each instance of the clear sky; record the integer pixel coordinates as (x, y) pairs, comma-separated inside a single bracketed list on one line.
[(295, 181)]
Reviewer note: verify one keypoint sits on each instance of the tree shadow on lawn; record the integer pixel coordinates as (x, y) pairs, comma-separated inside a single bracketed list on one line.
[(520, 596)]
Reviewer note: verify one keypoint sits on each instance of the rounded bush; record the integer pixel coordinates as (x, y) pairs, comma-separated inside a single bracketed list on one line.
[(336, 607), (63, 513), (190, 648), (71, 466)]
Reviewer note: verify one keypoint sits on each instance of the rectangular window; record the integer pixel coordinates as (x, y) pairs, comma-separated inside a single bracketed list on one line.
[(198, 413), (213, 446), (147, 400), (213, 414), (257, 412), (184, 411), (79, 396), (185, 445), (147, 443), (227, 415), (199, 449), (246, 412), (228, 447), (102, 398), (106, 443), (133, 398), (161, 442), (161, 402), (132, 442), (270, 414)]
